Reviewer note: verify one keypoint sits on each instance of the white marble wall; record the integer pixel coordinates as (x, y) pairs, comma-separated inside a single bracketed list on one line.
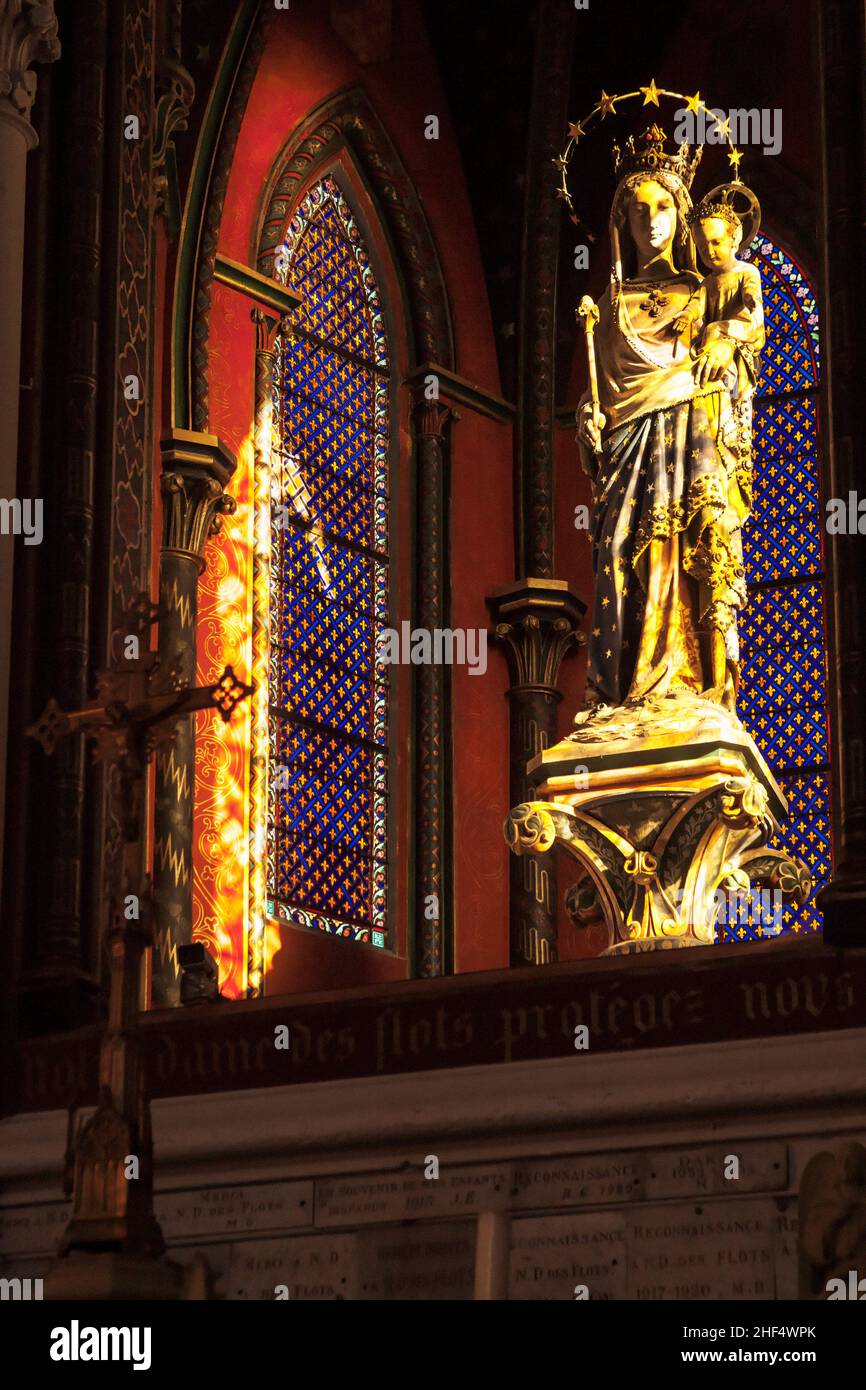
[(666, 1175)]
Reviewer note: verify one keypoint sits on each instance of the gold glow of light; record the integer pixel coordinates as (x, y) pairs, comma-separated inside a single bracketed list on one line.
[(260, 676), (222, 806)]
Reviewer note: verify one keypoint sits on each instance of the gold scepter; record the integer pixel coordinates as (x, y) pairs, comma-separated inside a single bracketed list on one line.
[(587, 310)]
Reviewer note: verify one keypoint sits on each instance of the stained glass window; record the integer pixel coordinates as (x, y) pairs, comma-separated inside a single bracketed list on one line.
[(328, 753), (783, 695)]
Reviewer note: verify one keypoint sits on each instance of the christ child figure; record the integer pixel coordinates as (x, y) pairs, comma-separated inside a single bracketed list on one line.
[(725, 310), (727, 304)]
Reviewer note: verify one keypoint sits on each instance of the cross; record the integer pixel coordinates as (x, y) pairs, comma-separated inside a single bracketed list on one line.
[(137, 708), (654, 303)]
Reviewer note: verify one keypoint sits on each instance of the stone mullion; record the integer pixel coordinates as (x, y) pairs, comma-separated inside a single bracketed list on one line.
[(265, 359), (196, 468), (537, 626), (842, 48), (430, 703)]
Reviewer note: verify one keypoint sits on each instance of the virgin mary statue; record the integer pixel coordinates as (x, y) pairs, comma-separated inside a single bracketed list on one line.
[(667, 447)]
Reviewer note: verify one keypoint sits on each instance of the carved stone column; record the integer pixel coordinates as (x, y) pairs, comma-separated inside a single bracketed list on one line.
[(542, 222), (431, 419), (538, 619), (195, 471), (842, 48), (28, 34)]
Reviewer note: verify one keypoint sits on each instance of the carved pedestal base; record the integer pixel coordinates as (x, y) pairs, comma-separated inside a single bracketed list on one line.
[(667, 809)]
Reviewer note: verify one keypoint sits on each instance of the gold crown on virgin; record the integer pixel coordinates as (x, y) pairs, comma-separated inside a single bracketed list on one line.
[(648, 155)]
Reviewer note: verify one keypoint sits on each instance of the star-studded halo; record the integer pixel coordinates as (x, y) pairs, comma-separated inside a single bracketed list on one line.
[(607, 106)]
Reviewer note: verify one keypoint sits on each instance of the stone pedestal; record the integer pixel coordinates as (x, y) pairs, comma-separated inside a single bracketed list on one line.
[(668, 810)]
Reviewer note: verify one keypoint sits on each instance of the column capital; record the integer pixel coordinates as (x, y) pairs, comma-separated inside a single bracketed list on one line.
[(431, 416), (267, 327), (195, 470), (28, 34), (538, 619)]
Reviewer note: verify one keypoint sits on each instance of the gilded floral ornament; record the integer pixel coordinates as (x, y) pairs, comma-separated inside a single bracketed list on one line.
[(744, 802)]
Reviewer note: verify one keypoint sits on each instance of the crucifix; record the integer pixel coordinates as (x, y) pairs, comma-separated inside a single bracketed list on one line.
[(109, 1160)]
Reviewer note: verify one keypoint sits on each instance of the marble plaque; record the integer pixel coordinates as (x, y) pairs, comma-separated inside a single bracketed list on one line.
[(786, 1253), (570, 1181), (552, 1255), (707, 1250), (700, 1172), (428, 1260), (400, 1196), (235, 1210), (33, 1229), (314, 1268), (219, 1257)]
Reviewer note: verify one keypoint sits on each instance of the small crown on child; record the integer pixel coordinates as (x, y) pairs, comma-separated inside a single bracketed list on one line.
[(715, 207)]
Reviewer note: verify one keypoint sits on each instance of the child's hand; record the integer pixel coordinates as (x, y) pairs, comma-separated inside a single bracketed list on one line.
[(681, 324)]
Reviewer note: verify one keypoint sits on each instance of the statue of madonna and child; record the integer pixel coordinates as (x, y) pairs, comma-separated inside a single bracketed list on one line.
[(659, 793), (667, 441)]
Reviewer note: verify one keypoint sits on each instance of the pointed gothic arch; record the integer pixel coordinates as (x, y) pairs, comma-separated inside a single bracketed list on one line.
[(345, 134)]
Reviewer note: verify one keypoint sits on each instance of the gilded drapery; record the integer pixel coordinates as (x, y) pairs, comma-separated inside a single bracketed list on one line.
[(671, 491)]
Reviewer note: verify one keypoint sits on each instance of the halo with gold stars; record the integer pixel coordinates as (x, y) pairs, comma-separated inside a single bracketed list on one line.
[(607, 106)]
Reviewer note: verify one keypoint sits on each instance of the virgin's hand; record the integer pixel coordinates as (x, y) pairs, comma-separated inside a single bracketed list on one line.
[(589, 428), (713, 361)]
